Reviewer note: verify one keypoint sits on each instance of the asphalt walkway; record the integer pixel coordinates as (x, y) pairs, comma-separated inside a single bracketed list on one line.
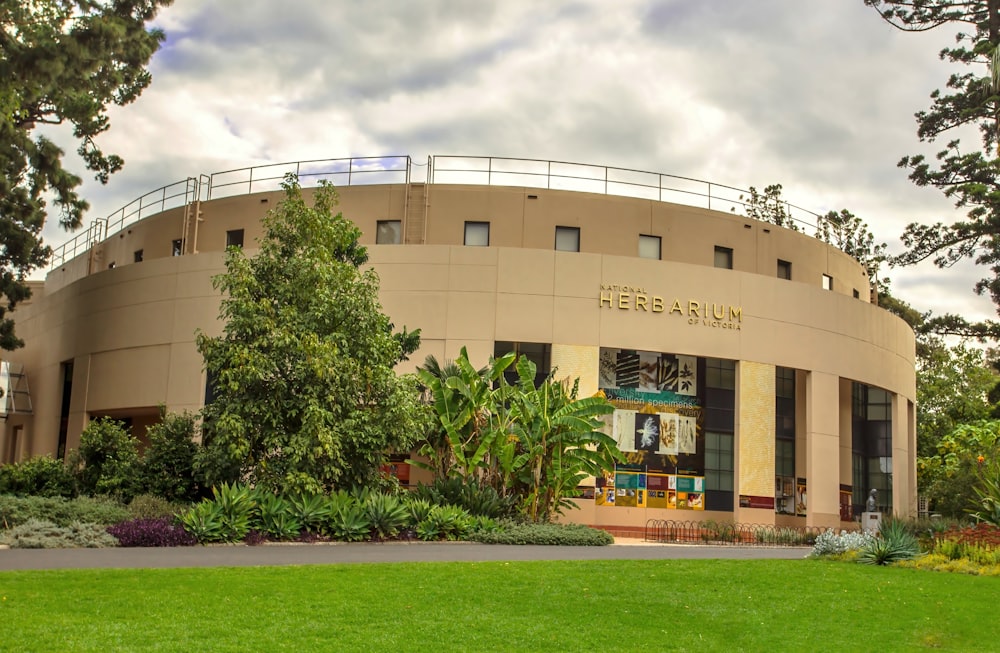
[(325, 554)]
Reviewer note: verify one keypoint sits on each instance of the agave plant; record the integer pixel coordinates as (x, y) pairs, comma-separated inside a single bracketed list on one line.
[(236, 506), (386, 514), (350, 523), (311, 510), (894, 542), (276, 518), (203, 521)]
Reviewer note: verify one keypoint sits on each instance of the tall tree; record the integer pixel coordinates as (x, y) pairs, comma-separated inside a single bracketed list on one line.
[(306, 398), (61, 61), (842, 229), (970, 176)]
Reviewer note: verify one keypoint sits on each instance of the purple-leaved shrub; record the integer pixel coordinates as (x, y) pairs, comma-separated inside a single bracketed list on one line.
[(151, 532)]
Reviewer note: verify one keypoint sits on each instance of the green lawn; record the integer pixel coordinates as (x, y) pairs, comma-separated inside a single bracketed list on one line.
[(716, 605)]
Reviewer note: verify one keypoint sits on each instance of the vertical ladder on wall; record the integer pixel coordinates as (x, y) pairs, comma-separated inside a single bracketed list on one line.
[(416, 214), (16, 395)]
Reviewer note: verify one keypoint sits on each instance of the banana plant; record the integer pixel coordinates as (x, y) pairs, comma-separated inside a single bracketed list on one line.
[(559, 441), (470, 406)]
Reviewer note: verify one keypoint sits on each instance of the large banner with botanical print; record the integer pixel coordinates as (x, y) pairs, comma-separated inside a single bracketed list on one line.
[(657, 423)]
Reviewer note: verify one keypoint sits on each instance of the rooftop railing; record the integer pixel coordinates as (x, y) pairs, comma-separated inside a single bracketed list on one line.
[(352, 171), (443, 169), (562, 175)]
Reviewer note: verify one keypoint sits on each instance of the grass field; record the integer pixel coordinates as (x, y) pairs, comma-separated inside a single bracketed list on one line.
[(682, 605)]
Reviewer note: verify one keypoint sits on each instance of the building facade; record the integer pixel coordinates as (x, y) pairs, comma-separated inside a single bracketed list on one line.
[(754, 378)]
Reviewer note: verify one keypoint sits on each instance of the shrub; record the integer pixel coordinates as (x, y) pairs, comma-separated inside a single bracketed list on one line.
[(147, 506), (476, 498), (110, 459), (41, 476), (830, 543), (894, 542), (549, 534), (167, 469), (38, 534), (15, 511), (445, 522), (160, 531)]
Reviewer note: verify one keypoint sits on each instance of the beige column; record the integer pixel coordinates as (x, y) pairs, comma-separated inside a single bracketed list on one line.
[(755, 440), (846, 438), (823, 449), (904, 470)]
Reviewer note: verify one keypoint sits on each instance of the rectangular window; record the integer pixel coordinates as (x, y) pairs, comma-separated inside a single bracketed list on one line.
[(538, 353), (857, 295), (176, 247), (720, 373), (724, 257), (567, 239), (649, 247), (784, 269), (388, 232), (234, 238), (477, 234), (718, 461), (137, 256), (827, 282), (784, 453)]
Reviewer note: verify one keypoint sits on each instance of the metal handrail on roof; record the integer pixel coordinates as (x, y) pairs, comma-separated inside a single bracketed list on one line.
[(350, 171), (627, 182), (448, 169)]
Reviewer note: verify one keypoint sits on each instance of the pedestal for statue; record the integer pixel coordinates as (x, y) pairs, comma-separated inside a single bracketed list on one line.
[(871, 522)]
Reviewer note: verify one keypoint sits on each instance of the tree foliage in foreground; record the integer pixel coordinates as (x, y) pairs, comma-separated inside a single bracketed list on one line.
[(61, 62), (969, 175), (306, 398)]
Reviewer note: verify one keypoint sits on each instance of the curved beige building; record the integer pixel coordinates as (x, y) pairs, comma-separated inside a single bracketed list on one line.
[(754, 379)]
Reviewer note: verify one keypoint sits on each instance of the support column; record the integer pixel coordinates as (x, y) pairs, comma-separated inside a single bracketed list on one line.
[(904, 467), (823, 449)]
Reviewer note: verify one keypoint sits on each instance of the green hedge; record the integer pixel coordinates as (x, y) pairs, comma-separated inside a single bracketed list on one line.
[(549, 534)]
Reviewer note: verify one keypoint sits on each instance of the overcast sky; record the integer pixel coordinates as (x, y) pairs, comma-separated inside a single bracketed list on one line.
[(818, 96)]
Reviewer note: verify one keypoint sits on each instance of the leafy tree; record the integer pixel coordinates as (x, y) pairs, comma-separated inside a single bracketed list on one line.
[(306, 398), (851, 235), (768, 206), (842, 229), (61, 61), (167, 467), (110, 458), (969, 176), (949, 477)]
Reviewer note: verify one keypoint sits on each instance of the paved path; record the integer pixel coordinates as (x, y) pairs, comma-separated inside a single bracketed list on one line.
[(323, 554)]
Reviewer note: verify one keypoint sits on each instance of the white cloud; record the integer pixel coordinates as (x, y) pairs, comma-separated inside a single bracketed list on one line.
[(817, 96)]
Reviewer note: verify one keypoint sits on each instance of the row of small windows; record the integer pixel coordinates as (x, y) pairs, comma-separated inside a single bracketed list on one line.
[(567, 239)]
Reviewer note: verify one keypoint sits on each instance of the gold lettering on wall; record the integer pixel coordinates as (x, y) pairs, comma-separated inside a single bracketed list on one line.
[(698, 312)]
